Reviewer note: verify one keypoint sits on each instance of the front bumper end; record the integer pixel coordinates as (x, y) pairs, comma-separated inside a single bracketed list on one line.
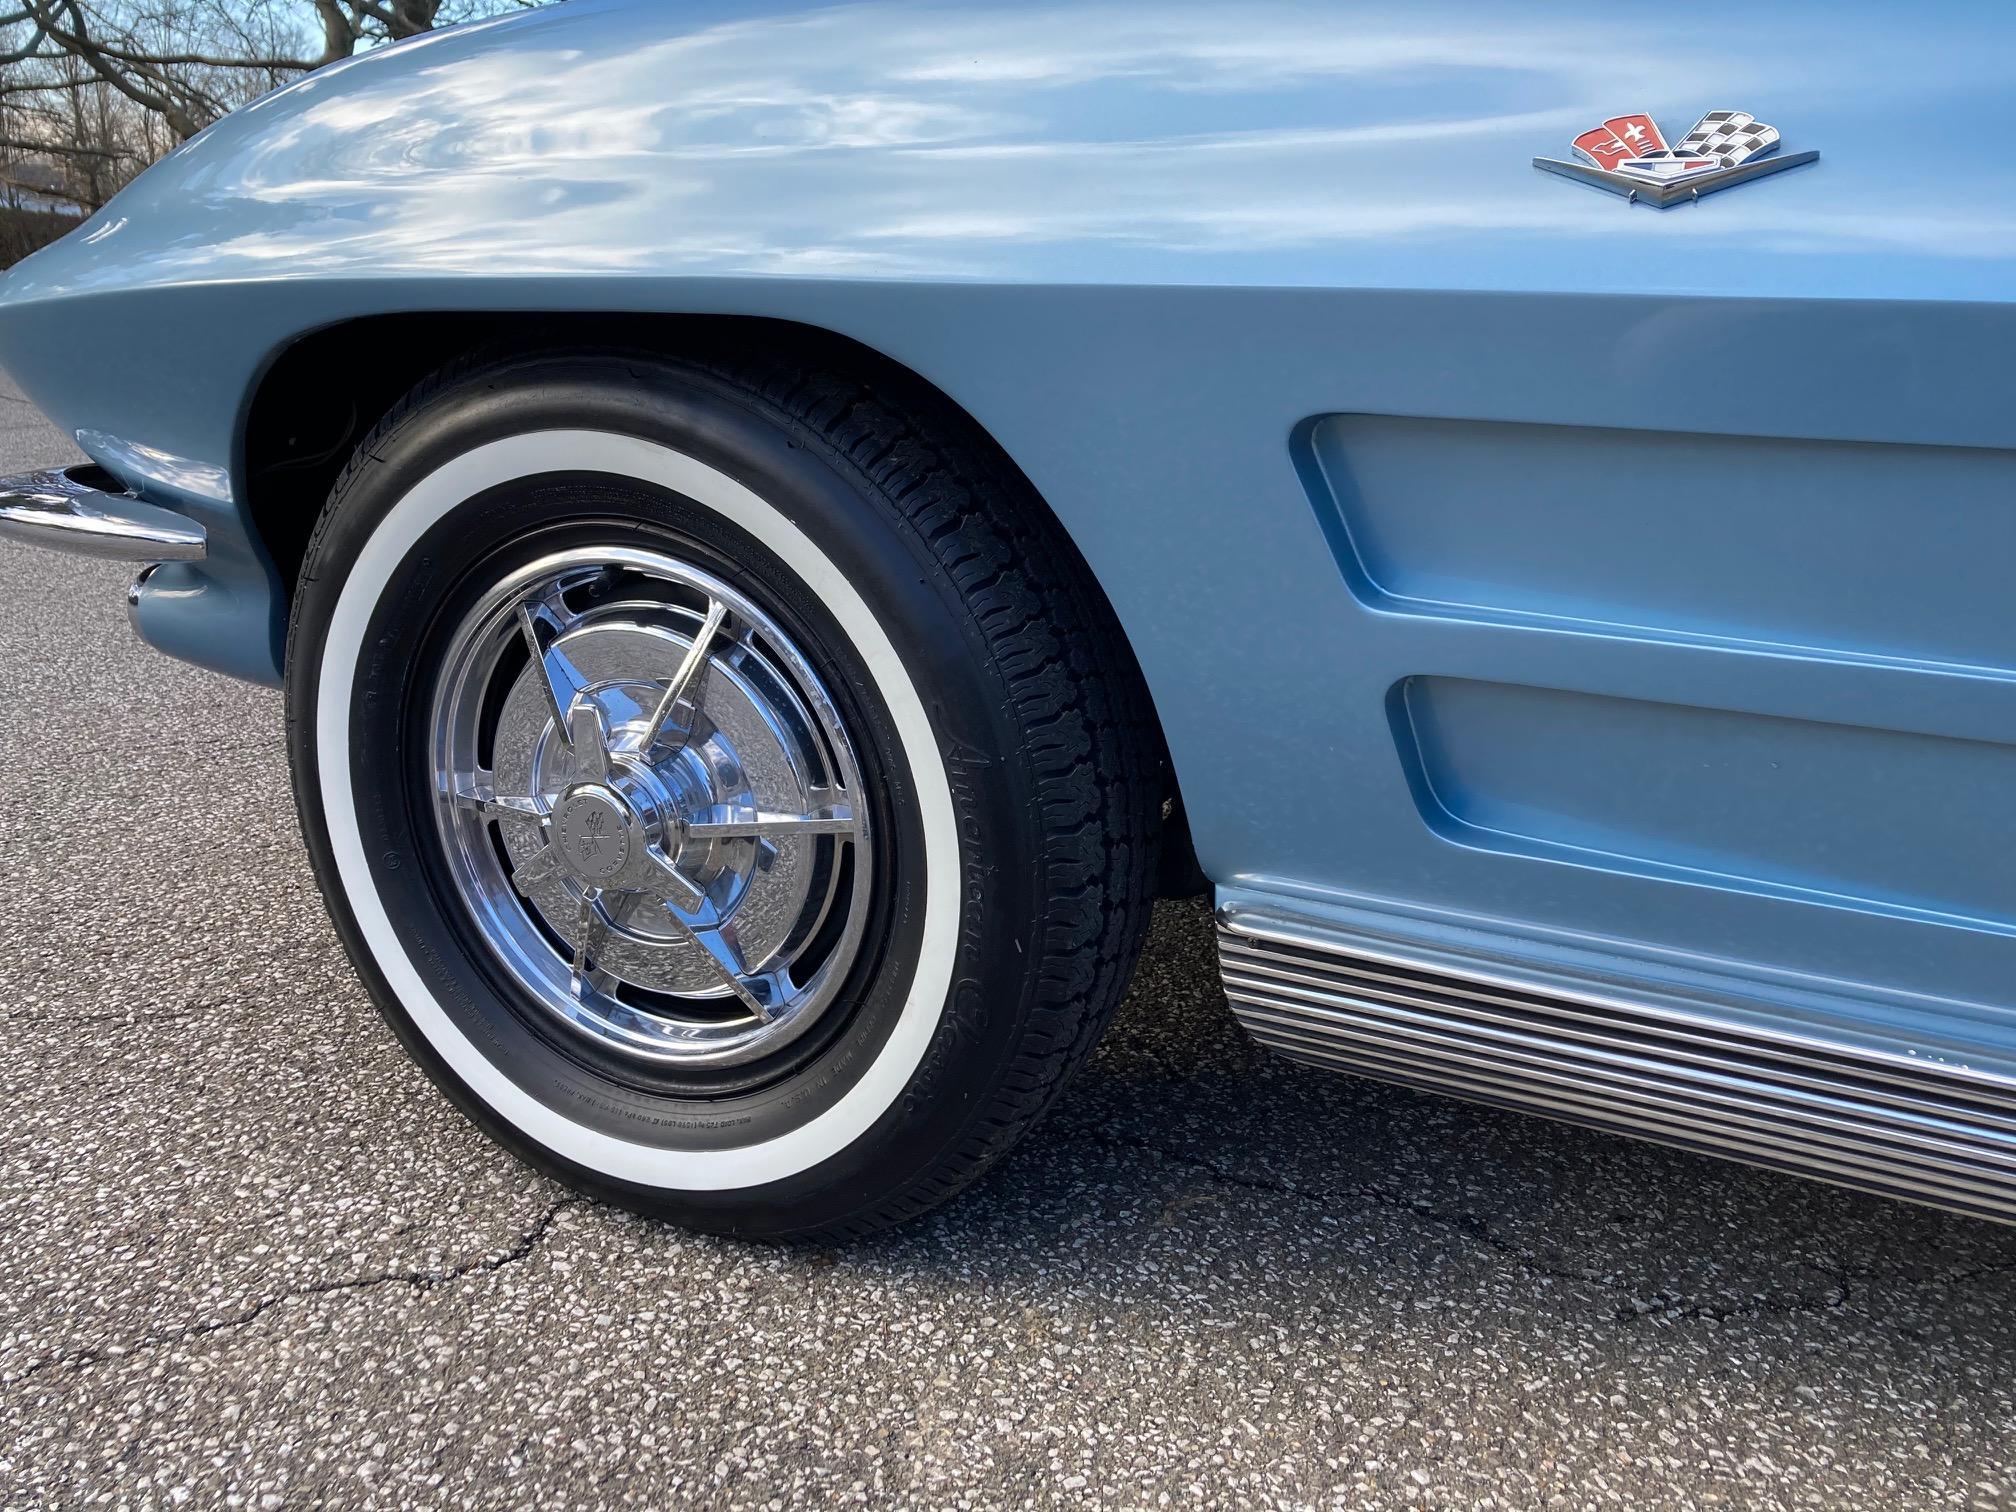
[(84, 511)]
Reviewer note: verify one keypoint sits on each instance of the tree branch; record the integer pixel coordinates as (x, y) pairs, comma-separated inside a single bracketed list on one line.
[(100, 88), (55, 149)]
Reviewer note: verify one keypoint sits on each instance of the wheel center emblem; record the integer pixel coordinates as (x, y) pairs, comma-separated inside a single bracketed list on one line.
[(591, 828)]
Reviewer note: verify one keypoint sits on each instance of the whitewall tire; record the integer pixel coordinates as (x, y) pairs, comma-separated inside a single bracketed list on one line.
[(687, 799)]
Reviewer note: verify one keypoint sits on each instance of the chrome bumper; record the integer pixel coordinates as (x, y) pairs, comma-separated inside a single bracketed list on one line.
[(83, 510)]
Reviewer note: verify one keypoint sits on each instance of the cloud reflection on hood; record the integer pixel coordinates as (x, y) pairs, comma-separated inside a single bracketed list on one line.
[(1282, 144)]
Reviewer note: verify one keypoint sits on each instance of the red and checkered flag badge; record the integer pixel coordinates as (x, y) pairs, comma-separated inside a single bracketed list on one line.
[(1734, 136), (1619, 139), (1629, 155)]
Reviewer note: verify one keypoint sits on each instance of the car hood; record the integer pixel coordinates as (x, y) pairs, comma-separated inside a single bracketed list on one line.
[(1274, 144)]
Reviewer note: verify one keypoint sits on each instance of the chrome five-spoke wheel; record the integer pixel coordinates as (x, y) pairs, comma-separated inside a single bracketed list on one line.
[(650, 806)]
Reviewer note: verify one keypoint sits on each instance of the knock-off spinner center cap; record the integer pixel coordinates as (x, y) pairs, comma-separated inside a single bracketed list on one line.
[(591, 832)]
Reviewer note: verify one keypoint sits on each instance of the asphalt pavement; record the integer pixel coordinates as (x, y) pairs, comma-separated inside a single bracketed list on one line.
[(249, 1257)]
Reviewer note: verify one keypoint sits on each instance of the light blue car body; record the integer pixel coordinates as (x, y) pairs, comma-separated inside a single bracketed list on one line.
[(1519, 574)]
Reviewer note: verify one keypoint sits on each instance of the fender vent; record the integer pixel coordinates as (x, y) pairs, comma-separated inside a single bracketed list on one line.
[(1884, 1123)]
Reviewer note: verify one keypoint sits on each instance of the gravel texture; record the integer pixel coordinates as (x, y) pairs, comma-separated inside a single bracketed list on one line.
[(248, 1257)]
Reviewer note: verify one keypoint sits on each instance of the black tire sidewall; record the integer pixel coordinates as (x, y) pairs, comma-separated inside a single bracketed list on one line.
[(869, 540)]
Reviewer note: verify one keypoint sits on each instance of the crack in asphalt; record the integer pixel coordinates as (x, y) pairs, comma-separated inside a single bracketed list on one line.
[(520, 1250), (1660, 1305)]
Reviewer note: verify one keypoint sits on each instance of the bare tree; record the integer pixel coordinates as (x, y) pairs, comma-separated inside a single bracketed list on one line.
[(103, 87)]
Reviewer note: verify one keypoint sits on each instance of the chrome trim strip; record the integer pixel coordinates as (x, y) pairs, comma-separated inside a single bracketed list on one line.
[(1681, 1132), (1835, 1111), (1694, 1049), (1610, 999), (1645, 192), (1645, 1094), (82, 510)]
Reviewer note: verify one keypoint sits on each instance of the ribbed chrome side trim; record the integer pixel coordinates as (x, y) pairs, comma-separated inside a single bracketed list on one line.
[(1887, 1123)]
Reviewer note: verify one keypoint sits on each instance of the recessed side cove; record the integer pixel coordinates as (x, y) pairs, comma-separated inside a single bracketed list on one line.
[(1883, 821), (1887, 551)]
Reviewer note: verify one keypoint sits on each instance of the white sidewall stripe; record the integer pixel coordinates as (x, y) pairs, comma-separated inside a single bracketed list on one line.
[(628, 456)]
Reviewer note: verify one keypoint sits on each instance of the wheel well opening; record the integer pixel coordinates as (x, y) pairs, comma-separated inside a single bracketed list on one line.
[(322, 395)]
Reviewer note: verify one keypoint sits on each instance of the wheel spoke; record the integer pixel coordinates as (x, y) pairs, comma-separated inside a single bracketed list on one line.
[(593, 939), (733, 824), (670, 885), (541, 866), (541, 622), (674, 715), (475, 792), (723, 951), (588, 741)]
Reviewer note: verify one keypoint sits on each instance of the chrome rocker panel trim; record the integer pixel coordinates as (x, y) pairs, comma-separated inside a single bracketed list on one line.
[(83, 511), (1835, 1112)]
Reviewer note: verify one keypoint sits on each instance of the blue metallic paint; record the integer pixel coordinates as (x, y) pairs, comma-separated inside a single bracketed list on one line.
[(1191, 263)]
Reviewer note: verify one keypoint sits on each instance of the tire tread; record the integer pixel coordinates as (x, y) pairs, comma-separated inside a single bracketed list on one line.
[(1090, 740)]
